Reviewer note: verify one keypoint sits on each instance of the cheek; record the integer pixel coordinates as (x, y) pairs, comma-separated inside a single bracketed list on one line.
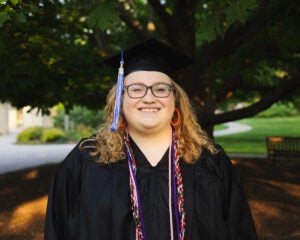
[(170, 102), (124, 105), (127, 104)]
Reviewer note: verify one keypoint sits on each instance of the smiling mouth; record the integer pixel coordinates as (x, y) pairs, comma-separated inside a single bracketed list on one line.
[(149, 109)]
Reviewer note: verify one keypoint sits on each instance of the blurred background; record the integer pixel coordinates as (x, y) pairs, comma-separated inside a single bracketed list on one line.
[(244, 86)]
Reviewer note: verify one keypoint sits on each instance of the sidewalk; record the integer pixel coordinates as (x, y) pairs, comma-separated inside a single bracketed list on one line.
[(17, 156), (233, 128)]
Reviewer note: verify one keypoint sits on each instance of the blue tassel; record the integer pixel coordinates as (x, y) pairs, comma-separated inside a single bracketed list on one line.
[(119, 91)]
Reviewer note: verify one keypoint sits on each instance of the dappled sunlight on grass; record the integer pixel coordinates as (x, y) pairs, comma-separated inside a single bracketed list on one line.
[(23, 197), (26, 221), (290, 188), (23, 214), (245, 163), (264, 210), (273, 191), (31, 175), (276, 216)]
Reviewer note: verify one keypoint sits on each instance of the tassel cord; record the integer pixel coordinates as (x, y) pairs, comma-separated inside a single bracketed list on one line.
[(119, 92), (132, 170), (170, 189), (176, 191), (175, 198)]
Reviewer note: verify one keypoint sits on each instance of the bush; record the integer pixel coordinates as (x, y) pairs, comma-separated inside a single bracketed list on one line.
[(41, 135), (84, 131), (80, 132), (83, 122), (78, 116), (52, 135), (31, 134), (279, 110)]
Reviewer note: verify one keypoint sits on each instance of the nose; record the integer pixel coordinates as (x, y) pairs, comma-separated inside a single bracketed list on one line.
[(149, 96)]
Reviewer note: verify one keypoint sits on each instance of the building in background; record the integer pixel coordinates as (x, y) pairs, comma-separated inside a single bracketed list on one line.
[(11, 118)]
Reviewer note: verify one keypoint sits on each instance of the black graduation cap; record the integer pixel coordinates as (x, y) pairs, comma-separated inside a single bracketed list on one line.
[(151, 55)]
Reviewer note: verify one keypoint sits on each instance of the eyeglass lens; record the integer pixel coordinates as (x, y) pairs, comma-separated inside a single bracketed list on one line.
[(160, 90)]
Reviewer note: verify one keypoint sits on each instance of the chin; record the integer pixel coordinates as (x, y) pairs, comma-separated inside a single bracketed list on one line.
[(157, 126), (148, 126)]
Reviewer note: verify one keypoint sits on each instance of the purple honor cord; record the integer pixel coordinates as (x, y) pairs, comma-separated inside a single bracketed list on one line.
[(174, 187), (137, 192)]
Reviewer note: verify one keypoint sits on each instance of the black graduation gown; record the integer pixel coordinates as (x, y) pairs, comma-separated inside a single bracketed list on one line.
[(90, 201)]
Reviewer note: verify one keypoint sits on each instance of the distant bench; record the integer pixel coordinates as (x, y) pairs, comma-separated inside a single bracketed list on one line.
[(283, 147)]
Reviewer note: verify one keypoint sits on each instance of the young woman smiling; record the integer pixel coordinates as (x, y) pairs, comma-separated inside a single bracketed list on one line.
[(154, 174)]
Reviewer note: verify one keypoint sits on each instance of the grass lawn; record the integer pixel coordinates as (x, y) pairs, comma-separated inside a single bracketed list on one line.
[(220, 127), (254, 141)]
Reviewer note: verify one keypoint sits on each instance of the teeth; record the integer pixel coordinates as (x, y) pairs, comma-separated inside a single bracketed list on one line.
[(149, 109)]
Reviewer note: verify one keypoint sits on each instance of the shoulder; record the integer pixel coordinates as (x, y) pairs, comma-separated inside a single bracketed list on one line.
[(213, 158), (87, 146), (79, 154), (218, 164)]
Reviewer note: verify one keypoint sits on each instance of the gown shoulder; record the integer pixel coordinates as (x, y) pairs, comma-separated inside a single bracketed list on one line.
[(217, 177)]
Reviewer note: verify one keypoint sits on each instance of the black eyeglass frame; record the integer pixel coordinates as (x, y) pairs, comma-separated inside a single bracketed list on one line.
[(170, 89)]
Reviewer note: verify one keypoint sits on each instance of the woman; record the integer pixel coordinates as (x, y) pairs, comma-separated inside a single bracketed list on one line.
[(155, 176)]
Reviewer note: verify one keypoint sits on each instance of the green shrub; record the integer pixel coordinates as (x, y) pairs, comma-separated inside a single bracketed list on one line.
[(79, 115), (279, 110), (41, 135), (31, 134), (73, 136), (52, 135), (80, 132), (84, 131)]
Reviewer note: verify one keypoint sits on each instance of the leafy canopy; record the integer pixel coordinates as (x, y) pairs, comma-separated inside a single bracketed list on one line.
[(244, 50)]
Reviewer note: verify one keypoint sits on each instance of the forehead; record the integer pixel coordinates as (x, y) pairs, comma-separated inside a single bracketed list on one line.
[(147, 77)]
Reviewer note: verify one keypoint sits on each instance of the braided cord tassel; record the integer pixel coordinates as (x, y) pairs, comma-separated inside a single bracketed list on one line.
[(180, 191), (134, 194)]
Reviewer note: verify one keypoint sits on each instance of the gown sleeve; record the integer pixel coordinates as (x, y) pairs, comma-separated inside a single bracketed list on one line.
[(239, 221), (63, 198)]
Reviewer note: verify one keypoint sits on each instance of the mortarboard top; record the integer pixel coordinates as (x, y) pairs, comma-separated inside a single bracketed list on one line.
[(151, 49)]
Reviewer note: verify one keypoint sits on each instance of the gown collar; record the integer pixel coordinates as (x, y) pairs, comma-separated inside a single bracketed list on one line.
[(141, 159)]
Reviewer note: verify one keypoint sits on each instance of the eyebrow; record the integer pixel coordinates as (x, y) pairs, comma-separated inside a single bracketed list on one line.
[(146, 84)]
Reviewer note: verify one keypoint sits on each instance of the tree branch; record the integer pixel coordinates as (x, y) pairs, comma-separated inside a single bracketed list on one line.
[(277, 94), (161, 12), (235, 36), (134, 25)]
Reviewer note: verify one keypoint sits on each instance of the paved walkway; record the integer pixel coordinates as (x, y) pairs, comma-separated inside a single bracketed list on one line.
[(233, 128), (17, 156)]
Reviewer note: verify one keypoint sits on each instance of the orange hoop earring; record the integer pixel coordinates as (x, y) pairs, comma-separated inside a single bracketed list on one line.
[(123, 124), (175, 124)]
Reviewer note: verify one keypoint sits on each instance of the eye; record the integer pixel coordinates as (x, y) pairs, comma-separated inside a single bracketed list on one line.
[(136, 88), (160, 88)]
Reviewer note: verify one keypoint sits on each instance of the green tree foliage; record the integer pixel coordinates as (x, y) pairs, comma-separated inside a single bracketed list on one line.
[(46, 56), (280, 110), (78, 115), (244, 50)]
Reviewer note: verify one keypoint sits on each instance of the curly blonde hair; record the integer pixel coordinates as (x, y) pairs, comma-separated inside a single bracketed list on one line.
[(192, 139)]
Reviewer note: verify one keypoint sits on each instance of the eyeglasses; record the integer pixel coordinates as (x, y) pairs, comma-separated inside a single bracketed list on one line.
[(160, 90)]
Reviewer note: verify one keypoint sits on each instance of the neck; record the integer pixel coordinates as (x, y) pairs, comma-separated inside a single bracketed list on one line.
[(152, 137), (152, 145)]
